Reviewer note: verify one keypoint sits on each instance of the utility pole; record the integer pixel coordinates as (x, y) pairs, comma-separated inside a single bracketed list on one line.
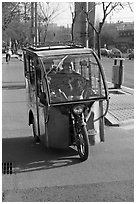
[(87, 40), (94, 40), (32, 23), (25, 17), (36, 39)]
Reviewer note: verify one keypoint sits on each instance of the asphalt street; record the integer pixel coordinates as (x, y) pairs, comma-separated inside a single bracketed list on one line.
[(44, 175)]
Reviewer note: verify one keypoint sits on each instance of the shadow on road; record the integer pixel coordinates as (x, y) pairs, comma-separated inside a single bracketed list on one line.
[(26, 155)]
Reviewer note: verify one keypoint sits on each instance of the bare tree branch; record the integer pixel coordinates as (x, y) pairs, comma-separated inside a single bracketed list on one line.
[(107, 7), (10, 11), (46, 14), (130, 7)]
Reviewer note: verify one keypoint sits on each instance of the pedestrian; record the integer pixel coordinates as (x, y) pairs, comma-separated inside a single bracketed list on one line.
[(8, 55)]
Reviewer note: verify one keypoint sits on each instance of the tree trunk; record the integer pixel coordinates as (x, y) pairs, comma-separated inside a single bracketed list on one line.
[(72, 31), (98, 45)]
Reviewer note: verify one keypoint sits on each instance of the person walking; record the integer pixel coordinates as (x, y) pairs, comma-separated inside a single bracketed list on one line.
[(8, 55)]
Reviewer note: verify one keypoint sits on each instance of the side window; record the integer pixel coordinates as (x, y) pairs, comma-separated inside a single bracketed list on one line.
[(32, 71), (41, 81), (38, 78), (35, 74), (29, 69), (26, 65)]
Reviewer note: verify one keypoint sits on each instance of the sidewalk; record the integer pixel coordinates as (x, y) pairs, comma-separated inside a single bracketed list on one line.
[(12, 73), (13, 56), (121, 105)]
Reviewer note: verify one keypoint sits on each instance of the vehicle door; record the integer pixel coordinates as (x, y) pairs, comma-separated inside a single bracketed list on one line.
[(42, 108), (29, 73)]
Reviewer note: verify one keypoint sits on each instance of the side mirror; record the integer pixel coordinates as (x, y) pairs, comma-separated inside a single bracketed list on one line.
[(43, 99)]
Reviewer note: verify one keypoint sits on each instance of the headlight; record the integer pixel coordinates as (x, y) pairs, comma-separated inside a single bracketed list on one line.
[(78, 109)]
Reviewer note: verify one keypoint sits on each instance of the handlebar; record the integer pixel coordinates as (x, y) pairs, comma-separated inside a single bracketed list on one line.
[(71, 97), (81, 97)]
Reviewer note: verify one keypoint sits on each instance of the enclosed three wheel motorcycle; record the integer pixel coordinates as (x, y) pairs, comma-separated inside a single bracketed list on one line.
[(63, 83)]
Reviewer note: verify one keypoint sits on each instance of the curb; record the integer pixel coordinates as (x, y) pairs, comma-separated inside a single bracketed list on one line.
[(14, 86), (128, 122), (110, 120), (128, 90)]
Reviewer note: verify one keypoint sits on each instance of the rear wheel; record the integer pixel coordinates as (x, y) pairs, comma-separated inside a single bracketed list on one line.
[(83, 144), (36, 138)]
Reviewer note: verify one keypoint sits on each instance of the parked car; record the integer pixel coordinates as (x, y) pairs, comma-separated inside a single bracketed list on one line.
[(104, 51), (114, 52), (131, 55)]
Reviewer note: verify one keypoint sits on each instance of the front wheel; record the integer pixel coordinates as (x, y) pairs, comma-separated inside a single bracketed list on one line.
[(83, 144)]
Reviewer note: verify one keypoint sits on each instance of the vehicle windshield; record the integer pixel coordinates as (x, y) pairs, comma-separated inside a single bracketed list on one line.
[(73, 77)]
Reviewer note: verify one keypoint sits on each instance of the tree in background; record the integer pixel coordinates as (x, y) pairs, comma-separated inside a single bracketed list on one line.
[(107, 8), (109, 35), (74, 15), (15, 21), (10, 10), (45, 15)]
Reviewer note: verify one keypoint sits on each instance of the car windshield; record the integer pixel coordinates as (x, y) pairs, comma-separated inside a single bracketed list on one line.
[(73, 77)]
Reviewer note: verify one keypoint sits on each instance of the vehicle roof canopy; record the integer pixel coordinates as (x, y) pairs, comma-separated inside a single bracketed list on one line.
[(57, 50)]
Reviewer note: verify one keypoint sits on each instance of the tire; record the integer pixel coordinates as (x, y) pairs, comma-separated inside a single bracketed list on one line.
[(36, 138), (83, 144)]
